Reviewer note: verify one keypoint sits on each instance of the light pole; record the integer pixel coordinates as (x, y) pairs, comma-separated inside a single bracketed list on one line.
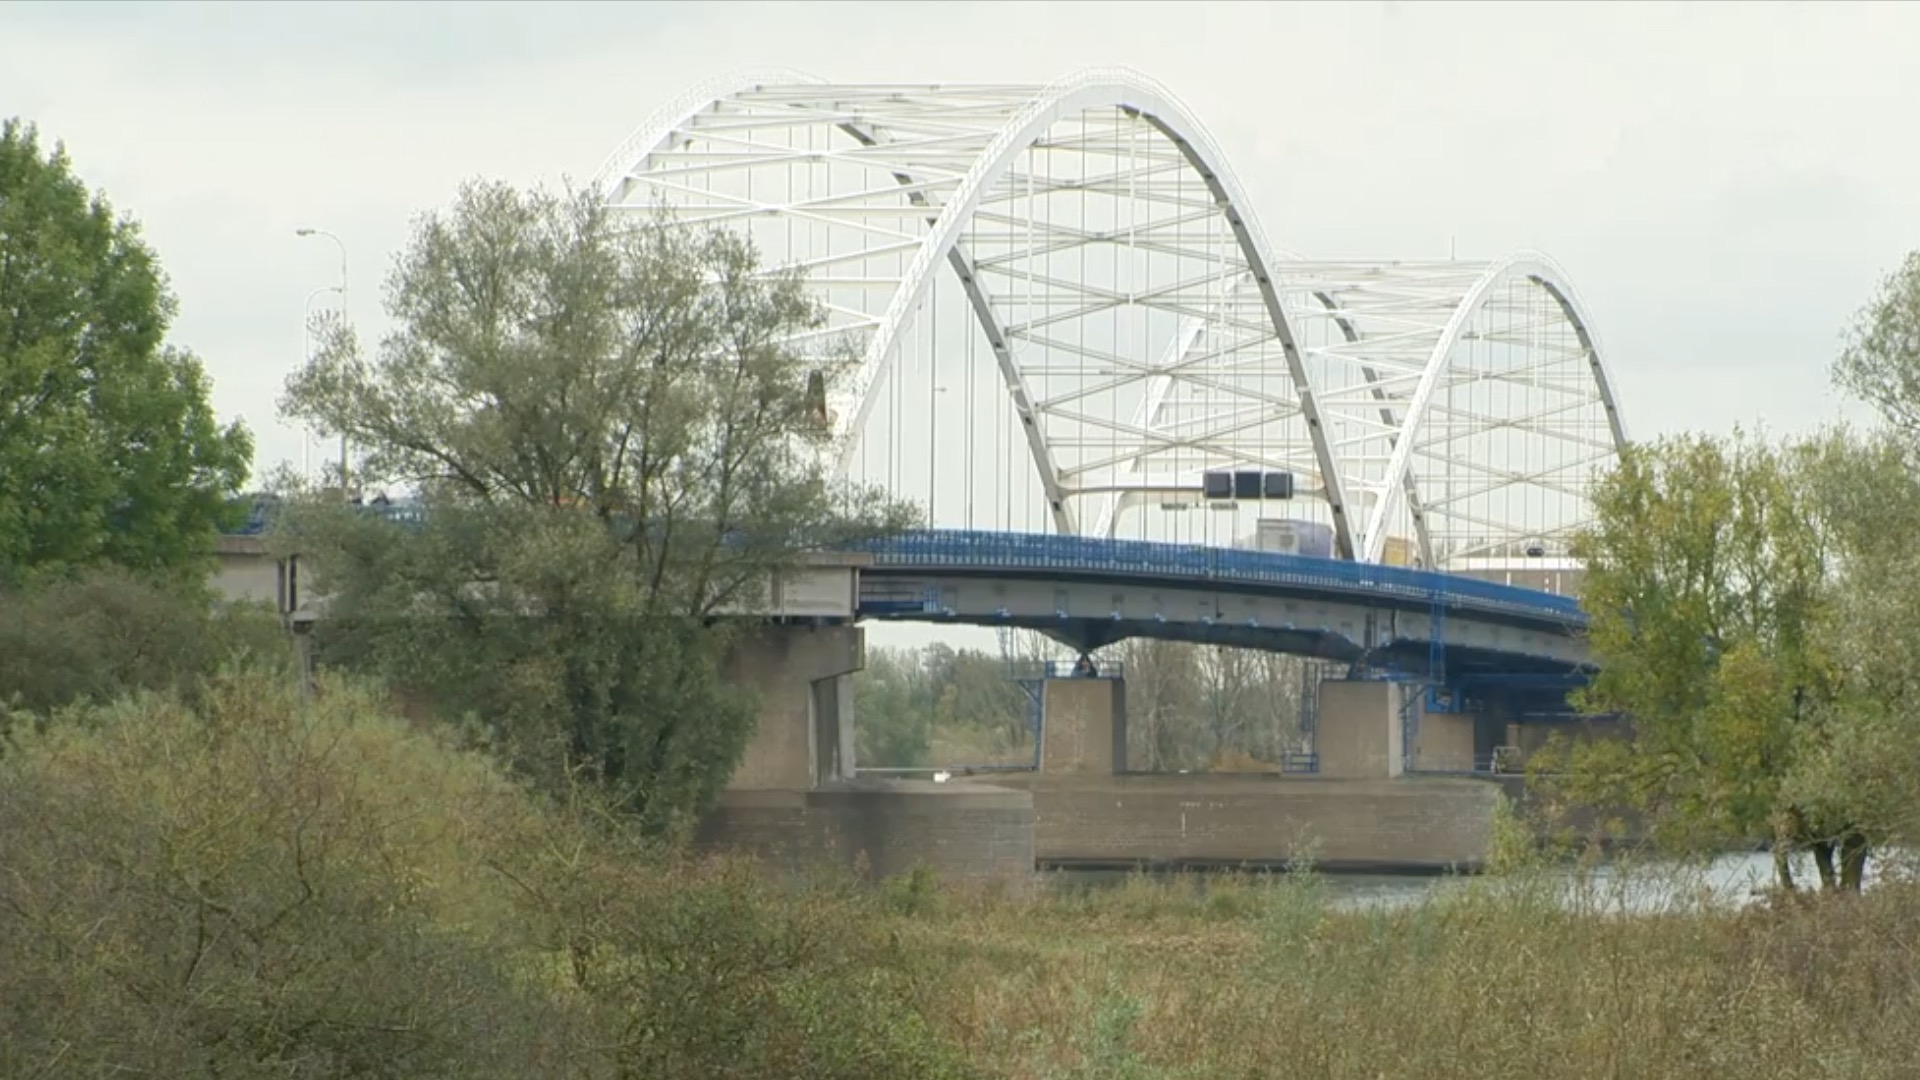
[(306, 337), (344, 315)]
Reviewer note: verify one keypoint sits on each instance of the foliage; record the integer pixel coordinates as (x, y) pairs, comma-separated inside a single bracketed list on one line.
[(1271, 975), (1751, 607), (893, 704), (108, 632), (1708, 589), (1881, 361), (905, 696), (1189, 707), (609, 428), (1205, 707), (261, 887), (1857, 772), (238, 890), (109, 448)]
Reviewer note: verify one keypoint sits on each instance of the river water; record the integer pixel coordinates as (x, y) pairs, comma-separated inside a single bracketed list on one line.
[(1726, 881)]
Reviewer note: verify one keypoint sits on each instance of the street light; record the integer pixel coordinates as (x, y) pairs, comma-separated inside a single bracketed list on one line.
[(344, 314)]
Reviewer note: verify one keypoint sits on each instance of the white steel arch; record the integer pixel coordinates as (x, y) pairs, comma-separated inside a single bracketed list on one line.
[(984, 178), (1469, 403)]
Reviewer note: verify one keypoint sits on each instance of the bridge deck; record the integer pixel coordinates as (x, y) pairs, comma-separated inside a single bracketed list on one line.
[(1023, 553)]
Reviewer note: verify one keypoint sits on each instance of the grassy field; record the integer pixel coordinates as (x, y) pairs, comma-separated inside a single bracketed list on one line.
[(252, 887), (1520, 977)]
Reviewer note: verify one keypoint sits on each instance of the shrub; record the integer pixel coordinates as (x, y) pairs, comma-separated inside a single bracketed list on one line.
[(253, 885), (110, 632)]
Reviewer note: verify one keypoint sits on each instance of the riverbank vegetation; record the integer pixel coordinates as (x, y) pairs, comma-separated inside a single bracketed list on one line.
[(1751, 613), (256, 885)]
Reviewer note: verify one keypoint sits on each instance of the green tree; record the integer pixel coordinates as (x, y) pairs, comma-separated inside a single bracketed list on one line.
[(1881, 361), (609, 430), (1856, 774), (1709, 587), (109, 448), (894, 717)]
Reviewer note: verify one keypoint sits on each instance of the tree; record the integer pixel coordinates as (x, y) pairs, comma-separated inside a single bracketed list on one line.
[(1856, 774), (894, 726), (1708, 583), (613, 440), (1162, 704), (109, 448), (1751, 607), (1881, 361), (1226, 700)]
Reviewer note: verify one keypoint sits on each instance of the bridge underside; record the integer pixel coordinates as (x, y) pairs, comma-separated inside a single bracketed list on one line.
[(1409, 655), (1090, 614)]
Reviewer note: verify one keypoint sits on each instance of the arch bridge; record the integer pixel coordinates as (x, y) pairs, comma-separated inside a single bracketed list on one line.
[(1054, 308)]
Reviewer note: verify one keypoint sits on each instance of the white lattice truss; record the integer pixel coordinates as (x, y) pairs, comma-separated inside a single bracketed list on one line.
[(1144, 328)]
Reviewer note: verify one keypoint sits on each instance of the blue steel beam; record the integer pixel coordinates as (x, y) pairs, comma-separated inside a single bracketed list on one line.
[(934, 550)]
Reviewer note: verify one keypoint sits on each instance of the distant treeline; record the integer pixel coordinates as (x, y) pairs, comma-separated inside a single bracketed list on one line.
[(1189, 707)]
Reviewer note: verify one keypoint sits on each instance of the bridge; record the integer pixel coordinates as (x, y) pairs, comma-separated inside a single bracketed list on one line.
[(1090, 593), (1128, 412)]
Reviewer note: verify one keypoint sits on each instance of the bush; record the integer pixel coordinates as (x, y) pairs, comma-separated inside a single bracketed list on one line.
[(110, 632), (245, 889), (253, 885)]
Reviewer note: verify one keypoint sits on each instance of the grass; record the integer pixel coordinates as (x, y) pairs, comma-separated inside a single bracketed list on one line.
[(253, 886), (1490, 979)]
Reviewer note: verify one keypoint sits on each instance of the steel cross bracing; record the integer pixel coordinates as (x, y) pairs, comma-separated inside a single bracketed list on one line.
[(1468, 403), (1086, 221), (1143, 328)]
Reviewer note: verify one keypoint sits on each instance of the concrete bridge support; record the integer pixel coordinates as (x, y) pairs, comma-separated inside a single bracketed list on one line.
[(1083, 726), (1358, 733), (804, 675), (796, 803)]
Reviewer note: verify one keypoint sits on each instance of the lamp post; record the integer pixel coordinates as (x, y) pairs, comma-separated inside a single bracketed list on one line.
[(344, 314), (306, 331)]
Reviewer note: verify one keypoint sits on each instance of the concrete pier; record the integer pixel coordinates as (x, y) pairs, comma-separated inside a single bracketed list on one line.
[(794, 801), (1085, 728)]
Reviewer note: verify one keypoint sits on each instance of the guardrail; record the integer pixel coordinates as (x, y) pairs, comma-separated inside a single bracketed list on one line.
[(1048, 552)]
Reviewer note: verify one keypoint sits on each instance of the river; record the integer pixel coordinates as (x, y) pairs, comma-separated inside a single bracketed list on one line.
[(1728, 880)]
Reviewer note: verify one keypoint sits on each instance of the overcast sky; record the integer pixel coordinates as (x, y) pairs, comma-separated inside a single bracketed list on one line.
[(1726, 183)]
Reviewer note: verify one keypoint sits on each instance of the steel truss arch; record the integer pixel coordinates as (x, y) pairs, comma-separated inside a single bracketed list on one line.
[(1420, 390), (944, 175)]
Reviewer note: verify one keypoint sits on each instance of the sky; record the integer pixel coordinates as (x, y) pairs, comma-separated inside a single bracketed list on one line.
[(1726, 183)]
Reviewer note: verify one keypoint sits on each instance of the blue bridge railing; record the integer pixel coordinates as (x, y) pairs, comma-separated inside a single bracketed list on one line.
[(1048, 552)]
